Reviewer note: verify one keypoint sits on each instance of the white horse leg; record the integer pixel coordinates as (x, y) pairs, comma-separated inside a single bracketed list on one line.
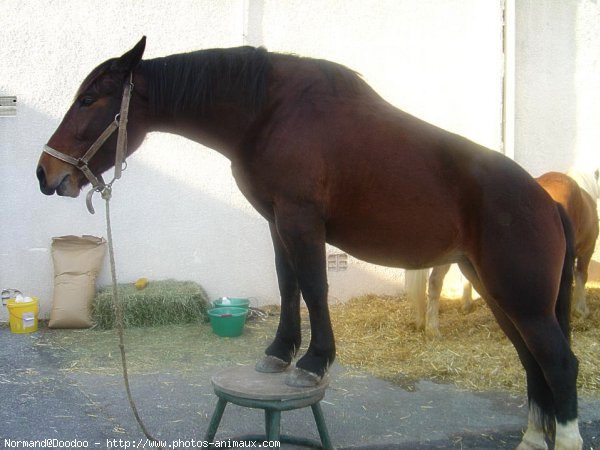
[(436, 281), (534, 438), (467, 297), (415, 284), (568, 437), (580, 307)]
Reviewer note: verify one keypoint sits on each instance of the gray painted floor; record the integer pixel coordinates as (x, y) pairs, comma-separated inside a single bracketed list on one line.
[(41, 400)]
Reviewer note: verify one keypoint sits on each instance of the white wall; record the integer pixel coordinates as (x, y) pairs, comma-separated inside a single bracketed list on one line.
[(557, 88), (557, 92), (177, 212), (164, 226)]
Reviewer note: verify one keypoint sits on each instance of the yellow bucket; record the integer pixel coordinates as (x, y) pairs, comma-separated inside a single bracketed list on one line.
[(23, 316)]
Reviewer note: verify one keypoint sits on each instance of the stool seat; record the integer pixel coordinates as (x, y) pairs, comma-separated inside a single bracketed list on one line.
[(246, 382), (244, 386)]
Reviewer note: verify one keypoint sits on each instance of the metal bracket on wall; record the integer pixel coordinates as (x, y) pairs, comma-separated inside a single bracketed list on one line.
[(8, 106)]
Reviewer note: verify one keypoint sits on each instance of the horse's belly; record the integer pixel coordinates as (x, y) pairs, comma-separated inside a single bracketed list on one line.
[(409, 245)]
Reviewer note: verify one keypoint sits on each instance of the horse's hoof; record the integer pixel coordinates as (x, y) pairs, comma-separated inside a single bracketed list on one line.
[(302, 378), (526, 445), (433, 333), (419, 325), (581, 313), (271, 364), (467, 309)]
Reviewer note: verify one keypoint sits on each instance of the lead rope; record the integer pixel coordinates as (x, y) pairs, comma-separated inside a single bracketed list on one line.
[(118, 306)]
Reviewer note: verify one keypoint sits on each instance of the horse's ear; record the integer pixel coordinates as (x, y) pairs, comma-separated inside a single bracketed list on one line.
[(131, 59)]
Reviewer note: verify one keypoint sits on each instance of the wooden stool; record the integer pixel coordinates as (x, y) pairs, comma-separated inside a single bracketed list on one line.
[(244, 386)]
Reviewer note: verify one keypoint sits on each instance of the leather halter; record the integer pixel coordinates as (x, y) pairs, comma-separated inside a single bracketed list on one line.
[(119, 123)]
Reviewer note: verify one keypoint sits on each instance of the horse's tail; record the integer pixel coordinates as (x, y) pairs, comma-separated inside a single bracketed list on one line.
[(563, 302)]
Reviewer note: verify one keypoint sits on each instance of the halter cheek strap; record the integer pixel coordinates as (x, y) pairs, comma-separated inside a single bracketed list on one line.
[(119, 123), (82, 163)]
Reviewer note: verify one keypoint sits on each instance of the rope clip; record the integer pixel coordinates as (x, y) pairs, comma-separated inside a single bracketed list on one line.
[(105, 191)]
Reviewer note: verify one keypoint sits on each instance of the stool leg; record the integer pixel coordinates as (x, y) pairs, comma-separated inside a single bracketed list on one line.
[(272, 424), (215, 420), (321, 427)]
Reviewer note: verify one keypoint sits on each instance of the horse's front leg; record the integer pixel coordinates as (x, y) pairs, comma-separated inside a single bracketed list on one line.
[(282, 350), (436, 282), (302, 231)]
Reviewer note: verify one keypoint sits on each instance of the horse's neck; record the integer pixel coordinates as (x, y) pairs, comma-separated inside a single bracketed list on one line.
[(219, 128), (223, 135), (206, 96)]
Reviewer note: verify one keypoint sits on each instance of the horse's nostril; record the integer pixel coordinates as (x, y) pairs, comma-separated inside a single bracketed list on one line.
[(41, 175)]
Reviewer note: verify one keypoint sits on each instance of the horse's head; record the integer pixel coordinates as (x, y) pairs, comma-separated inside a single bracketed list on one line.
[(96, 105)]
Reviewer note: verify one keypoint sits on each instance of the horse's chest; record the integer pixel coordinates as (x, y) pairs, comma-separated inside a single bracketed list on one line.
[(254, 191)]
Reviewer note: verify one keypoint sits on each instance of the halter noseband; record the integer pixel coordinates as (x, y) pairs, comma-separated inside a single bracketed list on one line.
[(119, 123)]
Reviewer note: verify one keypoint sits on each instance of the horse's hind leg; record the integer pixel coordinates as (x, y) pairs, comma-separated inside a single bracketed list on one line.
[(538, 392), (467, 297), (551, 371), (287, 340), (550, 348)]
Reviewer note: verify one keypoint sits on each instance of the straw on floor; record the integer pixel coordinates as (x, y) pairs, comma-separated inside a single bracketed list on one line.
[(373, 334), (376, 334)]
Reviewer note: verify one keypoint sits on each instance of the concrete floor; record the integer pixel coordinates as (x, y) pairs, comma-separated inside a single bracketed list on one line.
[(43, 399)]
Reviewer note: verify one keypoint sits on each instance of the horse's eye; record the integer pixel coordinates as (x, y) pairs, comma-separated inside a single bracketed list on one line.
[(87, 100)]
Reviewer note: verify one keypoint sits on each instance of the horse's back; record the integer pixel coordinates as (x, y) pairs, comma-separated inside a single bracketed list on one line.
[(562, 189)]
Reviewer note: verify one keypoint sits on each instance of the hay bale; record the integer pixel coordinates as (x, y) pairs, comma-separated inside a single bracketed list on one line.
[(160, 303)]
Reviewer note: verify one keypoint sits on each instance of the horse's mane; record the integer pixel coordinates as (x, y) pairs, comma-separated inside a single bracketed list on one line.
[(339, 79), (198, 79), (194, 81)]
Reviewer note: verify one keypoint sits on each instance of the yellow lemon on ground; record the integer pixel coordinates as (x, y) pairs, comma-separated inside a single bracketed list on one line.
[(141, 283)]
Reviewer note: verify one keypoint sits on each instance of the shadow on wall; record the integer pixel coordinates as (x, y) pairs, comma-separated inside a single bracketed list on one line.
[(189, 230), (163, 226)]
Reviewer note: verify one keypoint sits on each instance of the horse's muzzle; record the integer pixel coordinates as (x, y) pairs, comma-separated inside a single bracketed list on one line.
[(63, 188), (41, 176)]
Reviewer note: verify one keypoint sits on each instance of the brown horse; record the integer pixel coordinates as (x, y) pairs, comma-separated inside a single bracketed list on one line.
[(581, 209), (325, 159)]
